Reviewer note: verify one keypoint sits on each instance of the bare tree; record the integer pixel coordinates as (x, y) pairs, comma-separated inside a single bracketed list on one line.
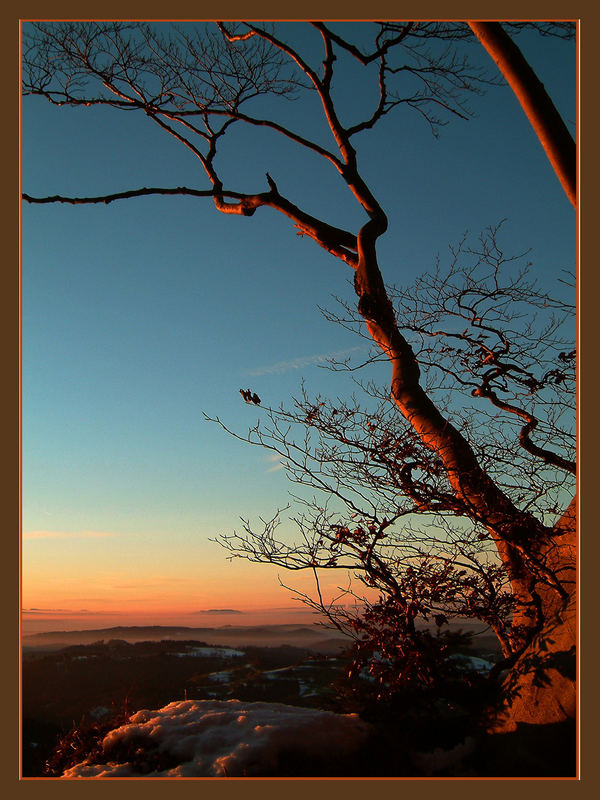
[(196, 84), (497, 352)]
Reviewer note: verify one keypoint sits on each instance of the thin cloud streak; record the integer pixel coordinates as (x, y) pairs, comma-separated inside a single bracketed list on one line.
[(275, 460), (66, 535), (297, 363), (276, 468), (61, 611)]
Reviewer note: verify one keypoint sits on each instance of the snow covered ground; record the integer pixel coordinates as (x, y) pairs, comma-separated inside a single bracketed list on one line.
[(223, 676), (216, 652), (472, 662), (220, 738)]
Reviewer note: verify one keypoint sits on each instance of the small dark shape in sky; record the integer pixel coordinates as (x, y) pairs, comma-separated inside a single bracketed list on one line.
[(250, 396)]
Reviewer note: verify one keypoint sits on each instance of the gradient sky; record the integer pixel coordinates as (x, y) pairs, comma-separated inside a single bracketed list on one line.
[(140, 315)]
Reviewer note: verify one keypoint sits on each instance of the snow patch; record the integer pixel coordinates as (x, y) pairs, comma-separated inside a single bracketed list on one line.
[(273, 674), (471, 662), (216, 652), (306, 690), (218, 738), (220, 677)]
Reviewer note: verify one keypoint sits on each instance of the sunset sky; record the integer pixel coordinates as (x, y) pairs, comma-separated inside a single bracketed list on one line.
[(141, 315)]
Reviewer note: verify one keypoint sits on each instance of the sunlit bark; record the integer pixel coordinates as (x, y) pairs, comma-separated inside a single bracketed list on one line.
[(541, 111), (540, 689)]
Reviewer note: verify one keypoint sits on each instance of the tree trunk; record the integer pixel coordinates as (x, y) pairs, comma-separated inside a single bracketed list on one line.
[(541, 686), (547, 123)]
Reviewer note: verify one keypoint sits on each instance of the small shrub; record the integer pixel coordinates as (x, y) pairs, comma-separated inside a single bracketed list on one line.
[(83, 741)]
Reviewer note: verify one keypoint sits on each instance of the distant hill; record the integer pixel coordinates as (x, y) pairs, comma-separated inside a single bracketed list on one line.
[(313, 637)]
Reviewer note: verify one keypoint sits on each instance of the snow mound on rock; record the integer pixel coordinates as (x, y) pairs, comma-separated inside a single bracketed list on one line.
[(220, 738)]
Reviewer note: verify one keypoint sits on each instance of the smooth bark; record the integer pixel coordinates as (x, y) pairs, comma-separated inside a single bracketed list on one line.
[(531, 94)]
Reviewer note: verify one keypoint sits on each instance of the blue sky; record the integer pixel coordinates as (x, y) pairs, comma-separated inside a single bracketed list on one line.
[(141, 315)]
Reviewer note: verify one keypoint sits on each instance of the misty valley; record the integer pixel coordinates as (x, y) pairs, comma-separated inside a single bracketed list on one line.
[(80, 685), (88, 683)]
